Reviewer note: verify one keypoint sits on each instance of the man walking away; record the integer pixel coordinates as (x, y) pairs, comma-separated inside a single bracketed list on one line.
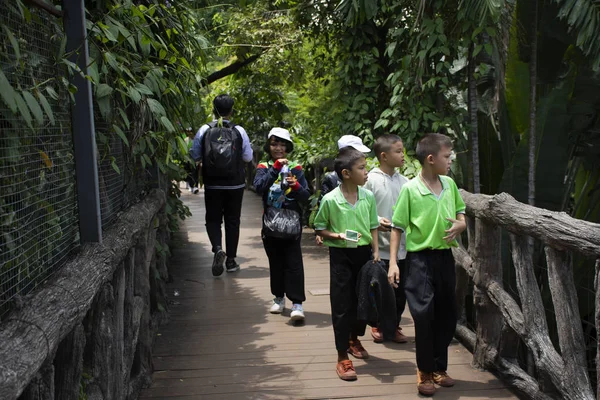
[(223, 148)]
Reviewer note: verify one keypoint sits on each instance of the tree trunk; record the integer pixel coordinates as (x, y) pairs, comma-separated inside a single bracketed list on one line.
[(532, 105), (474, 133)]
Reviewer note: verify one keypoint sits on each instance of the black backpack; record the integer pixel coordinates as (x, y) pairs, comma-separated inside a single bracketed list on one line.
[(222, 156)]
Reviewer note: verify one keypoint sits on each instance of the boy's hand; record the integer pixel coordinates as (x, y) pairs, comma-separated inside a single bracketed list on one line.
[(384, 225), (319, 240), (456, 229), (376, 257), (394, 275)]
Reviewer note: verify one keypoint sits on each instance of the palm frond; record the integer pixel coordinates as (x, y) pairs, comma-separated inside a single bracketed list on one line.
[(483, 10), (583, 18)]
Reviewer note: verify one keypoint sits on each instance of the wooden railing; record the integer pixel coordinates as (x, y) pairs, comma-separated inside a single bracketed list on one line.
[(502, 320)]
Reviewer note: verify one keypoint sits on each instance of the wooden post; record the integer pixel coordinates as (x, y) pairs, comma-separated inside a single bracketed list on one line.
[(568, 321), (488, 268), (596, 282)]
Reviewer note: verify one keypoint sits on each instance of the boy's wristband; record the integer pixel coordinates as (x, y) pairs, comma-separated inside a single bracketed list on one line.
[(295, 186)]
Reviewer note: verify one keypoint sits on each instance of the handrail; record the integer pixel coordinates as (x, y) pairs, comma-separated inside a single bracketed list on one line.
[(499, 315)]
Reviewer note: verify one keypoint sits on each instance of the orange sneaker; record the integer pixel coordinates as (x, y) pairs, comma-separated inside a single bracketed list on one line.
[(345, 370), (399, 337), (357, 350), (443, 379), (425, 384), (376, 335)]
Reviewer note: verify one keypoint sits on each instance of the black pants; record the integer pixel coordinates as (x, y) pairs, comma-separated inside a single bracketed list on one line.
[(286, 268), (399, 291), (430, 293), (344, 266), (223, 204), (192, 174)]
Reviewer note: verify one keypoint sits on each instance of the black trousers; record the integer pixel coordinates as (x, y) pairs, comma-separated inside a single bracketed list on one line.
[(430, 293), (399, 291), (286, 268), (192, 174), (223, 205), (344, 266)]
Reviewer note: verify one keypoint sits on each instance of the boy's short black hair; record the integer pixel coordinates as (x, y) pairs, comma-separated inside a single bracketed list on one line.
[(431, 143), (222, 105), (384, 144), (289, 146), (346, 158)]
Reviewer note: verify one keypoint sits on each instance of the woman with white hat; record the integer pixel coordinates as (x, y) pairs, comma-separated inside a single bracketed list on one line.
[(282, 184)]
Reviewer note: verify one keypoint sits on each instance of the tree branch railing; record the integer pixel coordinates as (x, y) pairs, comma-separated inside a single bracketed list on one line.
[(499, 316)]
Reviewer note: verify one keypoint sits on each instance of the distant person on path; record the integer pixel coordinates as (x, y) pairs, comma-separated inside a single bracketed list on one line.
[(192, 169), (223, 148), (431, 213), (347, 221), (282, 184), (385, 183)]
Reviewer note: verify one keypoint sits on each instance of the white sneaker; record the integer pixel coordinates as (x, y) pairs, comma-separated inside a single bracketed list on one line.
[(278, 305), (297, 313), (195, 190)]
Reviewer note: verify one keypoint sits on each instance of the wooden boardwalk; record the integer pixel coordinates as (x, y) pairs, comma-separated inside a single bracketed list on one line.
[(221, 342)]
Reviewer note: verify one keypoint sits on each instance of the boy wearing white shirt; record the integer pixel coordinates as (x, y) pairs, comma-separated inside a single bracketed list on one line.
[(385, 183)]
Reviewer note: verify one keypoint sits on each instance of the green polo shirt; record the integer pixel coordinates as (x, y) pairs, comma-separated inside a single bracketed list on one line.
[(336, 215), (422, 215)]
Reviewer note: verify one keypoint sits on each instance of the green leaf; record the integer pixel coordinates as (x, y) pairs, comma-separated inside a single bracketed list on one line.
[(34, 106), (13, 41), (121, 134), (143, 89), (156, 107), (103, 90), (111, 60), (488, 48), (182, 145), (23, 109), (7, 92), (51, 92), (93, 72), (125, 118), (46, 107), (167, 124), (134, 95), (104, 106), (113, 164)]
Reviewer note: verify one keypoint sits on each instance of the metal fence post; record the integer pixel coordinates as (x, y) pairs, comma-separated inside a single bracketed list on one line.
[(82, 117)]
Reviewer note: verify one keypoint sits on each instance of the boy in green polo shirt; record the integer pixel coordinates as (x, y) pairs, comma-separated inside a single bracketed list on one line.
[(431, 213), (347, 221)]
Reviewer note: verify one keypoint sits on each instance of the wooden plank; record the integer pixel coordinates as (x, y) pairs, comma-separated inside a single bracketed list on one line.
[(221, 342)]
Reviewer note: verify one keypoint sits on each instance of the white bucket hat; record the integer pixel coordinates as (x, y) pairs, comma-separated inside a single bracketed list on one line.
[(353, 141), (280, 133)]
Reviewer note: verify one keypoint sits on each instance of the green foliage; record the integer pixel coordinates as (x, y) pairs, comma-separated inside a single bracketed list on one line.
[(147, 67), (583, 18)]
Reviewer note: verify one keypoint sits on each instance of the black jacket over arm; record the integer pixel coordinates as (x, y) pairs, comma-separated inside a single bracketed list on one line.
[(376, 298)]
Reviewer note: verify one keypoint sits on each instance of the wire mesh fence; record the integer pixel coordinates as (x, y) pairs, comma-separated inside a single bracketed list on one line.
[(110, 167), (38, 208), (39, 213)]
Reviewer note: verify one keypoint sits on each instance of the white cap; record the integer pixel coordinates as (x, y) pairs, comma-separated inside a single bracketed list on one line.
[(280, 133), (353, 141)]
